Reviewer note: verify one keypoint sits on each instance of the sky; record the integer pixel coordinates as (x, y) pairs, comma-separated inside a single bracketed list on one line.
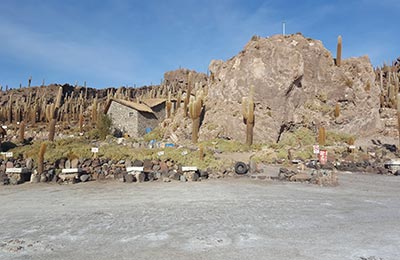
[(113, 43)]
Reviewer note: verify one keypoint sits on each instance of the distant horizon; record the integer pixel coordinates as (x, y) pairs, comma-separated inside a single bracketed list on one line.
[(129, 42)]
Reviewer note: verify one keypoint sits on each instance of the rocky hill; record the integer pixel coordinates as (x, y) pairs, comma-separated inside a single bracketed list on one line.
[(296, 84)]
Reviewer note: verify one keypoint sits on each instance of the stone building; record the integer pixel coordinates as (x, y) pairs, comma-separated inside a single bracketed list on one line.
[(157, 105), (134, 118)]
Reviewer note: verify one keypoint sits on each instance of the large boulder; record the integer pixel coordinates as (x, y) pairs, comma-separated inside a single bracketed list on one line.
[(296, 82)]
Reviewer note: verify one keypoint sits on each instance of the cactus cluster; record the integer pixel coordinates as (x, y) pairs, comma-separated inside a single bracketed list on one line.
[(78, 107), (389, 85)]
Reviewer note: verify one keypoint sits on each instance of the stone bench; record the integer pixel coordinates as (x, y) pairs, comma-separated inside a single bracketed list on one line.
[(69, 174), (189, 169), (18, 175), (134, 169)]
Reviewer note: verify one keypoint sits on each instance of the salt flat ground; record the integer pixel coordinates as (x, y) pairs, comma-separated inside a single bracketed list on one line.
[(215, 219)]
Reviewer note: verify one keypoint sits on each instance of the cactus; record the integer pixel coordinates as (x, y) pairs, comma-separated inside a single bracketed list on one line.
[(368, 86), (188, 94), (42, 151), (59, 97), (52, 125), (321, 136), (81, 122), (10, 110), (178, 101), (52, 116), (94, 111), (195, 109), (21, 138), (339, 51), (398, 116), (337, 110), (248, 115), (201, 152), (168, 105)]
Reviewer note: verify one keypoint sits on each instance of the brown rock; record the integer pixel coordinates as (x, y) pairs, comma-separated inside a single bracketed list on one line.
[(163, 167), (140, 176), (300, 177), (74, 163), (306, 84), (9, 164), (147, 165)]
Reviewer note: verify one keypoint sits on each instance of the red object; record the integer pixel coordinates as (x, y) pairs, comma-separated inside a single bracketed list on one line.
[(323, 157)]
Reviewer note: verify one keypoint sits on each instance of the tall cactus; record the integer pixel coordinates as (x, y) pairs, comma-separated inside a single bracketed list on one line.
[(337, 110), (81, 119), (178, 101), (42, 151), (321, 136), (22, 132), (52, 124), (168, 105), (10, 110), (248, 115), (59, 97), (53, 114), (188, 94), (398, 116), (94, 111), (339, 51), (195, 109)]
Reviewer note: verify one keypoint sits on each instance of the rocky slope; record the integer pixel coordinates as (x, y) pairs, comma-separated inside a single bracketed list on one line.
[(296, 83)]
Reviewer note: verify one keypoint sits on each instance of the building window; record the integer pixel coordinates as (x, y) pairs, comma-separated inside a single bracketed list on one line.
[(130, 114)]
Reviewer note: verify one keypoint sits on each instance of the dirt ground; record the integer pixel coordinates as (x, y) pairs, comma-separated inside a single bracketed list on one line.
[(215, 219)]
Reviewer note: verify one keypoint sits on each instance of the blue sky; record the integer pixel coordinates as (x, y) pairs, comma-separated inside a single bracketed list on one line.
[(121, 42)]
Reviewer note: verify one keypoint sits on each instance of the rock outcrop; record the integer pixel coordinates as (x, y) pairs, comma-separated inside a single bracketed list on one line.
[(296, 83)]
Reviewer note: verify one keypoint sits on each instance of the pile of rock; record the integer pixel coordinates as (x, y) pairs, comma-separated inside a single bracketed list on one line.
[(319, 177), (83, 170)]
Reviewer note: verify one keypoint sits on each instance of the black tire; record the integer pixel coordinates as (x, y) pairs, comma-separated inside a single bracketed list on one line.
[(241, 168)]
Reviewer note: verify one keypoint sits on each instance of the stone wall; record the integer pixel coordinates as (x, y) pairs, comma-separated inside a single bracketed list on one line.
[(146, 120), (160, 112), (124, 118)]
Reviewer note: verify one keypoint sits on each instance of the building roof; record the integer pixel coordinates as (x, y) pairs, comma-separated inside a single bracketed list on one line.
[(137, 106), (153, 102)]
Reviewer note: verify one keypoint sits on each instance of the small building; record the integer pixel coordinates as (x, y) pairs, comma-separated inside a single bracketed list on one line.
[(135, 118), (157, 105)]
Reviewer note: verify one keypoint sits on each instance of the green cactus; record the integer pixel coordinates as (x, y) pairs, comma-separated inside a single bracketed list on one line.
[(337, 110), (339, 51), (168, 105), (178, 101), (21, 132), (248, 115), (195, 109), (188, 94), (398, 116), (94, 111), (42, 151), (321, 136)]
